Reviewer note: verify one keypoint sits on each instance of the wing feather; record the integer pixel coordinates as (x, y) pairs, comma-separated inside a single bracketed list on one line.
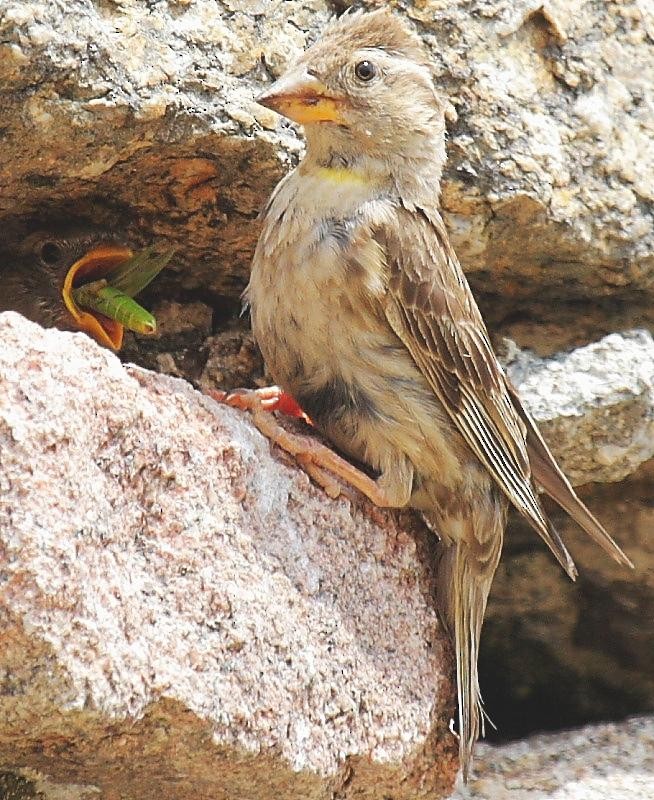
[(431, 309), (548, 474)]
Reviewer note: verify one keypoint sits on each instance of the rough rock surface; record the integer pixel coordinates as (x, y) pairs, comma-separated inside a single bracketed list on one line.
[(550, 174), (162, 135), (595, 405), (183, 615), (548, 191), (139, 116), (556, 652), (113, 471), (602, 762)]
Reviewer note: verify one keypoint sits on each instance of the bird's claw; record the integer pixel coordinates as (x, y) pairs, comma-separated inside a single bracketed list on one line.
[(269, 398), (319, 462)]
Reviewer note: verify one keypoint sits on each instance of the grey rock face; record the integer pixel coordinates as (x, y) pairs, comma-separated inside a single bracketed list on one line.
[(556, 652), (553, 145), (595, 404), (601, 762)]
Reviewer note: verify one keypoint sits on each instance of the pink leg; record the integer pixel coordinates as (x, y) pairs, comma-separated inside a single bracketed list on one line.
[(317, 460)]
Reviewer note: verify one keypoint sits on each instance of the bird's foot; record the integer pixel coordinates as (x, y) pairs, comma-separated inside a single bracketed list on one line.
[(269, 398), (260, 403), (321, 463)]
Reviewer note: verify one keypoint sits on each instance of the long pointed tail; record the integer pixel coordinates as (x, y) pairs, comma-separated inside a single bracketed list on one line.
[(465, 573)]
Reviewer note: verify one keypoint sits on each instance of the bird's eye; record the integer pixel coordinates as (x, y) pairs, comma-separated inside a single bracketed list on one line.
[(50, 253), (365, 71)]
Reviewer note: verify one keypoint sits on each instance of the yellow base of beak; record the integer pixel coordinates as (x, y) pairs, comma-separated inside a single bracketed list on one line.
[(96, 264), (307, 110), (300, 96)]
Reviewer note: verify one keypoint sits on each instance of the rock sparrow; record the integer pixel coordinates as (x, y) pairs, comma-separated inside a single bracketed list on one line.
[(364, 316)]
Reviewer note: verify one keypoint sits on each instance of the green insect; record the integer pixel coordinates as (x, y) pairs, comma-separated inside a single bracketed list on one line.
[(102, 298), (113, 296), (133, 275)]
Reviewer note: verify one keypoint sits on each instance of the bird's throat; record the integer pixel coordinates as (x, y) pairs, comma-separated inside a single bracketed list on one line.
[(343, 175)]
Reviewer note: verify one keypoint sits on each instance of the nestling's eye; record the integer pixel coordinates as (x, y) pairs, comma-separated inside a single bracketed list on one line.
[(365, 71), (50, 253)]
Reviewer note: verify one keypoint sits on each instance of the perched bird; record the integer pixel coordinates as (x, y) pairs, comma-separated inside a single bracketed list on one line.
[(80, 280), (364, 316)]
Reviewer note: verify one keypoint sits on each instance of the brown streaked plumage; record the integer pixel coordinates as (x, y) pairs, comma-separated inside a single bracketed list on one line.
[(364, 315)]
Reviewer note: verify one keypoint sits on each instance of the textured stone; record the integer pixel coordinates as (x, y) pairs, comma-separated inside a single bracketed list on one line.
[(233, 361), (548, 190), (602, 762), (183, 615), (181, 345), (557, 653), (140, 118), (594, 405), (162, 137)]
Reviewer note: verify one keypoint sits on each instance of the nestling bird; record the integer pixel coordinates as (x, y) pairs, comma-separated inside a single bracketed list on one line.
[(80, 279), (364, 316)]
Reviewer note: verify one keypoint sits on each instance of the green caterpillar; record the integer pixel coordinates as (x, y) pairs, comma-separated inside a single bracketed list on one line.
[(114, 297), (102, 298)]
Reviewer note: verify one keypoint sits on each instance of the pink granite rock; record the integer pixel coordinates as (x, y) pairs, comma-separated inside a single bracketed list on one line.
[(183, 615)]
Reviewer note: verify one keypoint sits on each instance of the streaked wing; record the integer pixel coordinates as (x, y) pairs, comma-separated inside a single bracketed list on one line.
[(430, 307)]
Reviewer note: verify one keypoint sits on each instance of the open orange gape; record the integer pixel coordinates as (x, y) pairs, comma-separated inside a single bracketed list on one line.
[(95, 265)]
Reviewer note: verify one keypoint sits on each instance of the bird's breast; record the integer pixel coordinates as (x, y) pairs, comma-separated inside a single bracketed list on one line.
[(316, 271), (317, 297)]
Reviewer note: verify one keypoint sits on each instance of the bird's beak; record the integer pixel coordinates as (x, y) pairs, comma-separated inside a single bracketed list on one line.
[(96, 264), (303, 98)]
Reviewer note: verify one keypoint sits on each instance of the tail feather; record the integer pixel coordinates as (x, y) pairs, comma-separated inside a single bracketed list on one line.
[(547, 473), (553, 540), (465, 573)]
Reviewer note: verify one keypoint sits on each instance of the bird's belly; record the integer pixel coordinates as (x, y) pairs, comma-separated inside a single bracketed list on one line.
[(316, 293), (353, 377)]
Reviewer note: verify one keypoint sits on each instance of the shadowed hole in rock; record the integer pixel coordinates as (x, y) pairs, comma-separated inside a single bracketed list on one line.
[(557, 654)]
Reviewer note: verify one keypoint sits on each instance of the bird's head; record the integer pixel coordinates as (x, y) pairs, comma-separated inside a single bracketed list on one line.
[(364, 88), (54, 263)]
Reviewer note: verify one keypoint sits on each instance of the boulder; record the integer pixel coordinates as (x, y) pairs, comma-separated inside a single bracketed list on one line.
[(594, 405), (182, 614)]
